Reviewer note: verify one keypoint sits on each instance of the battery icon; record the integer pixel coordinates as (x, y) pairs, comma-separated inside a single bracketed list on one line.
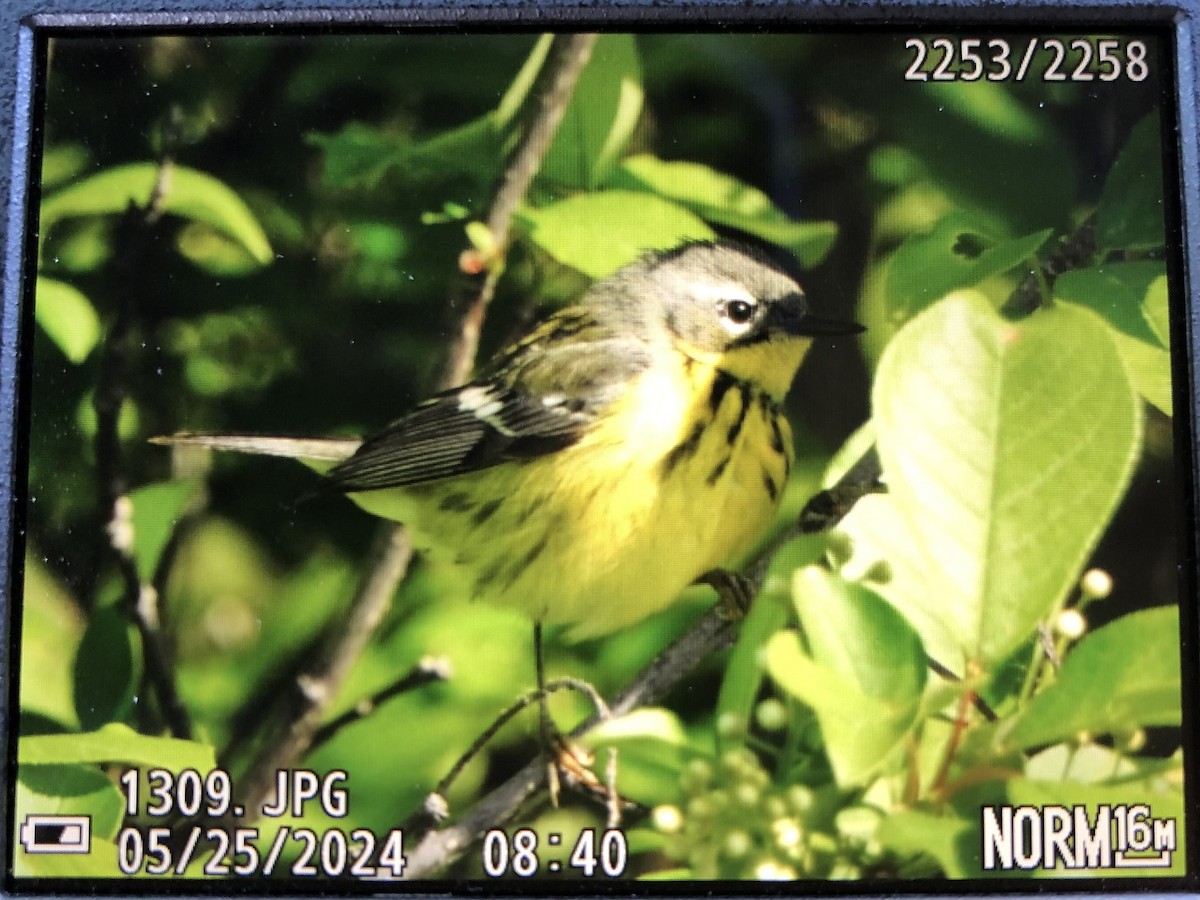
[(56, 834)]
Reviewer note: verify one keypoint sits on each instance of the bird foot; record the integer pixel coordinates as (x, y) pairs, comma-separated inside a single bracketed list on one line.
[(735, 590)]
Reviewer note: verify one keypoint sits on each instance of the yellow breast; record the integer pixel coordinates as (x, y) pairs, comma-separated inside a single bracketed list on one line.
[(681, 478)]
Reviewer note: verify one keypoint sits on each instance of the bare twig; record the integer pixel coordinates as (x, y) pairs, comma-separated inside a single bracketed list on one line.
[(568, 55), (428, 670), (522, 702), (315, 689), (715, 630), (139, 600)]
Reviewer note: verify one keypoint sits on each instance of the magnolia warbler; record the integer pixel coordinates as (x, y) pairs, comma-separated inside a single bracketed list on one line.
[(624, 448)]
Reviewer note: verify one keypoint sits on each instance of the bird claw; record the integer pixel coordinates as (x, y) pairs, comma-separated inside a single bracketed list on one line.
[(735, 590)]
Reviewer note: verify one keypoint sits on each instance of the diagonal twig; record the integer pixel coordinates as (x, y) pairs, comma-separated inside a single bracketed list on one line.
[(568, 55)]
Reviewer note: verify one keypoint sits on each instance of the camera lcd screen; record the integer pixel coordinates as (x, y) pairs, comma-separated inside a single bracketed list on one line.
[(679, 459)]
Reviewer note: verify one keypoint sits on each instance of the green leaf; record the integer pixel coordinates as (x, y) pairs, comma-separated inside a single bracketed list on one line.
[(518, 89), (865, 675), (1122, 676), (953, 842), (856, 634), (99, 862), (215, 253), (1132, 297), (724, 200), (71, 790), (115, 743), (652, 744), (1118, 293), (959, 252), (61, 162), (657, 724), (1155, 309), (882, 552), (51, 628), (67, 317), (849, 454), (600, 232), (81, 247), (157, 509), (600, 118), (359, 155), (1130, 214), (1006, 447), (186, 192), (108, 669), (744, 673)]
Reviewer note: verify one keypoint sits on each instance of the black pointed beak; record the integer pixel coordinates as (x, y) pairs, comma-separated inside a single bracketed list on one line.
[(816, 326), (792, 317)]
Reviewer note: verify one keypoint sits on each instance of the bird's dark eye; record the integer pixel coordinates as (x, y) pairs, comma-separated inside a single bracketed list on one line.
[(739, 311)]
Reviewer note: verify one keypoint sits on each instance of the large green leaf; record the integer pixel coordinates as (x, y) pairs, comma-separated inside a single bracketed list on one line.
[(1132, 297), (360, 155), (600, 118), (100, 862), (600, 232), (853, 632), (51, 628), (724, 200), (959, 252), (1125, 675), (1006, 447), (157, 509), (67, 317), (68, 790), (71, 790), (185, 192), (604, 108), (952, 841), (652, 744), (115, 743), (1118, 292), (864, 677), (108, 669), (882, 552), (1130, 215)]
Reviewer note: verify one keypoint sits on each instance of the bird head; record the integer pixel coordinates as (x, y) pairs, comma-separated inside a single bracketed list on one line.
[(726, 306)]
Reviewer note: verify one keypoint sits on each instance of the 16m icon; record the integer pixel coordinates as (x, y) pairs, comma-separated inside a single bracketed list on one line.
[(1049, 837)]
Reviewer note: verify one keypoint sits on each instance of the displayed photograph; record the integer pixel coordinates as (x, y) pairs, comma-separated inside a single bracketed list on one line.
[(490, 460)]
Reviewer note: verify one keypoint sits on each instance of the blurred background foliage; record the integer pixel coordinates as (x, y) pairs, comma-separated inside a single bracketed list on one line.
[(303, 279)]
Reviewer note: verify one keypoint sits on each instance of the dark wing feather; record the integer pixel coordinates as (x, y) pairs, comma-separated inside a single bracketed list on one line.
[(542, 402)]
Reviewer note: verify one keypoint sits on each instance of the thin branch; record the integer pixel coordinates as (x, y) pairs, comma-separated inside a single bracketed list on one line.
[(551, 93), (437, 849), (428, 670), (522, 702), (139, 600), (315, 689)]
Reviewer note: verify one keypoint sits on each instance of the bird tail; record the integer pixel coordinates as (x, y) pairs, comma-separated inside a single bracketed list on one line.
[(318, 450)]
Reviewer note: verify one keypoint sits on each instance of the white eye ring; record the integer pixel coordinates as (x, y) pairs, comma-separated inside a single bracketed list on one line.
[(737, 314)]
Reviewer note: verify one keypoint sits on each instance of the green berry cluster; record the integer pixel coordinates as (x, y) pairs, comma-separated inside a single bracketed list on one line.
[(737, 824)]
